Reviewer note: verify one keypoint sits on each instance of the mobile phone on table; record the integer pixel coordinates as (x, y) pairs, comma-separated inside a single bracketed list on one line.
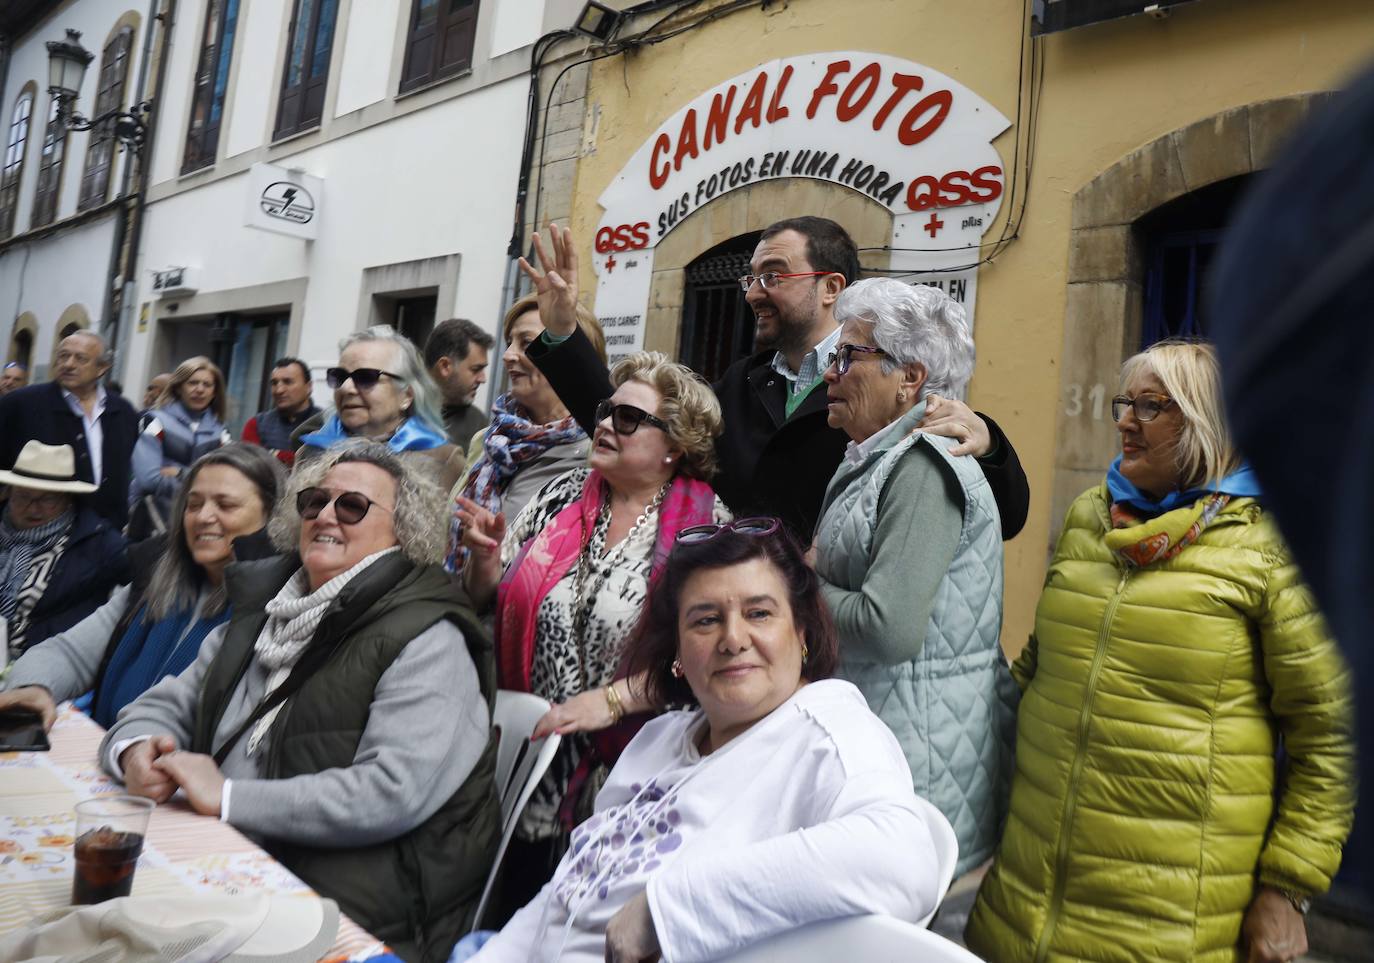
[(22, 732)]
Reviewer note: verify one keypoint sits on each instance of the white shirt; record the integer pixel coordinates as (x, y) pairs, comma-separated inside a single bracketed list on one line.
[(95, 434), (856, 452)]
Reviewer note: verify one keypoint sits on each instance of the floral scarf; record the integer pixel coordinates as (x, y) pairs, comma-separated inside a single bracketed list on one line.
[(511, 441)]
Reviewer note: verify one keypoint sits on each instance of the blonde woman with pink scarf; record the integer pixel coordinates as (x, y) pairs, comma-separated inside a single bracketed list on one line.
[(569, 576)]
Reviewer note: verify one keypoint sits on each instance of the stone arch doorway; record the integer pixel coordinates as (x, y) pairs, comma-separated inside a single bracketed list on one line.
[(1104, 311), (746, 211), (22, 339)]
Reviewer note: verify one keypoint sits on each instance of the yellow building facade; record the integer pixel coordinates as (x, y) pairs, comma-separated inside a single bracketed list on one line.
[(1139, 133)]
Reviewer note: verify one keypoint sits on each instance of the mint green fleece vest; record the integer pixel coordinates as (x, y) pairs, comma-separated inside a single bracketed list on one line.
[(952, 708)]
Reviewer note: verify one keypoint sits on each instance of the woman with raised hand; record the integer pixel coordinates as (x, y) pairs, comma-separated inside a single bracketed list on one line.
[(155, 626), (1176, 649)]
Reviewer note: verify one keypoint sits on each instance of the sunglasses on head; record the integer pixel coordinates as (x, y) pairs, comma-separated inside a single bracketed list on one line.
[(350, 508), (364, 379), (626, 419), (757, 526)]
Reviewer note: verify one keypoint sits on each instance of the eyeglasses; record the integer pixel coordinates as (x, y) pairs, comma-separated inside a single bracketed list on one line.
[(770, 279), (350, 508), (626, 419), (364, 379), (844, 357), (757, 526), (1146, 406), (33, 496)]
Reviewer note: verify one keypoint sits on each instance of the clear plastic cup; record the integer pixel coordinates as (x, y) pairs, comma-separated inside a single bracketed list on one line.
[(109, 839)]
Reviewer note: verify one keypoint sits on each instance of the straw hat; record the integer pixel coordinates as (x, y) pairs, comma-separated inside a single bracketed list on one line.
[(49, 468)]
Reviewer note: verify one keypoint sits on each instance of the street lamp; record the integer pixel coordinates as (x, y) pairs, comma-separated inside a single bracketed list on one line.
[(67, 63)]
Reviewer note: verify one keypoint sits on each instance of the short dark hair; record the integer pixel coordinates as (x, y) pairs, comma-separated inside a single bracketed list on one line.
[(453, 339), (828, 246), (653, 645), (288, 362)]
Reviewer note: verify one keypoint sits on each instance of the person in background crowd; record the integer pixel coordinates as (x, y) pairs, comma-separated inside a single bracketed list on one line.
[(778, 451), (58, 558), (342, 716), (909, 553), (456, 355), (291, 407), (1292, 299), (777, 801), (383, 392), (75, 409), (155, 626), (156, 386), (574, 571), (187, 422), (14, 376), (1174, 644), (532, 439)]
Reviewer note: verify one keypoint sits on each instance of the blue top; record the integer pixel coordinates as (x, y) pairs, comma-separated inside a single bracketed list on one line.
[(413, 435), (1241, 483)]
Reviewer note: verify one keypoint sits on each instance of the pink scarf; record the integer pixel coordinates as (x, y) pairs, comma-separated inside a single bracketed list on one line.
[(551, 554)]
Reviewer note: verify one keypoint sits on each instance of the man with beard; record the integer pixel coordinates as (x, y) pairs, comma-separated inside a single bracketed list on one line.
[(777, 453), (456, 356)]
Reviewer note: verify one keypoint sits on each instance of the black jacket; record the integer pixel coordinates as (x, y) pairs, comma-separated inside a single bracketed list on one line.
[(769, 464), (93, 563), (40, 412)]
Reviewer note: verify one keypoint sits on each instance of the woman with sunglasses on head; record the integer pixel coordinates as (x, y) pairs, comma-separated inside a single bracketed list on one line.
[(342, 715), (776, 800), (187, 422), (909, 551), (570, 576), (1175, 649), (532, 438), (383, 392), (155, 626)]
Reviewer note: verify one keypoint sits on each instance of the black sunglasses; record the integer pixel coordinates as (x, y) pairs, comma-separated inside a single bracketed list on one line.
[(626, 419), (757, 526), (350, 508), (364, 379)]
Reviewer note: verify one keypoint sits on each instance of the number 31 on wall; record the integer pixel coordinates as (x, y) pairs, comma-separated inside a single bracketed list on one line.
[(1097, 401)]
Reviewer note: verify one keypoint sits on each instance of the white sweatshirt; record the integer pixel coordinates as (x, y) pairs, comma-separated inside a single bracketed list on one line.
[(809, 815)]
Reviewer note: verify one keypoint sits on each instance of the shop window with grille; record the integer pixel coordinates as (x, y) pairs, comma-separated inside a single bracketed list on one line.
[(1180, 240), (439, 42), (114, 70), (717, 323), (311, 43)]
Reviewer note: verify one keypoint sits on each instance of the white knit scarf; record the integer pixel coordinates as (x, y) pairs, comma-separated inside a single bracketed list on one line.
[(292, 618)]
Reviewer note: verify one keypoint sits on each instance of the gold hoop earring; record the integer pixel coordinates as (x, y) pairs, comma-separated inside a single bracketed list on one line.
[(677, 668), (806, 653)]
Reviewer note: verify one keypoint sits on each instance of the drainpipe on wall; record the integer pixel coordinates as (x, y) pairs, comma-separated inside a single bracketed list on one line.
[(122, 328)]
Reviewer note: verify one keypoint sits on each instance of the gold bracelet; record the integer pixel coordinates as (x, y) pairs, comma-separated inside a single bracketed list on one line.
[(613, 700)]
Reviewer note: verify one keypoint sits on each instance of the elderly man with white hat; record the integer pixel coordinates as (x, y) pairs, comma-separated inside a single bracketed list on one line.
[(59, 560)]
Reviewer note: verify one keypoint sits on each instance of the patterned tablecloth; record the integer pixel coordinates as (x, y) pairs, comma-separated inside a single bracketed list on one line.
[(184, 852)]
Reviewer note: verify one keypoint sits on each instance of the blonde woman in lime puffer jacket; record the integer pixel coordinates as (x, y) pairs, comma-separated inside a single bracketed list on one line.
[(1174, 644)]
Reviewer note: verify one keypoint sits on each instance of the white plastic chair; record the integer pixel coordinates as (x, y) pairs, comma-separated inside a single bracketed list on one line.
[(520, 764), (946, 853), (873, 939)]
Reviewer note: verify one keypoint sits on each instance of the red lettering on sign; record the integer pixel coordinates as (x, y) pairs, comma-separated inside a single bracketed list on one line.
[(858, 93), (626, 237), (954, 189), (940, 101), (826, 87), (902, 84), (659, 176), (776, 111), (686, 140), (718, 118), (982, 179), (752, 108)]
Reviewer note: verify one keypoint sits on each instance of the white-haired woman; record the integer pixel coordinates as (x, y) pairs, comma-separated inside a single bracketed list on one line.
[(574, 570), (909, 551), (383, 392), (342, 715), (1175, 642)]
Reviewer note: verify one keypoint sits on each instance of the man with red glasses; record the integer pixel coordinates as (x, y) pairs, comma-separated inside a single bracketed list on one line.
[(777, 453)]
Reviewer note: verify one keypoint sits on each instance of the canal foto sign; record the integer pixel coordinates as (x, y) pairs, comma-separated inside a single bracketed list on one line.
[(909, 137)]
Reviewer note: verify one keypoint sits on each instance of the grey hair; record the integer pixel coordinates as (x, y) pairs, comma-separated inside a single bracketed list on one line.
[(419, 518), (914, 324), (107, 355), (177, 580), (411, 368)]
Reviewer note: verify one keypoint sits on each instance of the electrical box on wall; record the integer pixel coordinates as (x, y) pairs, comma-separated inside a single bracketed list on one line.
[(173, 282)]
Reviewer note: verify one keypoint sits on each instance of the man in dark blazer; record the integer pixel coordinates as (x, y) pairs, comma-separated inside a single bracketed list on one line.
[(71, 409), (778, 452)]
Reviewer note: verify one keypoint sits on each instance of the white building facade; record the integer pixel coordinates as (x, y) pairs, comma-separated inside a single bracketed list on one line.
[(323, 165), (63, 193)]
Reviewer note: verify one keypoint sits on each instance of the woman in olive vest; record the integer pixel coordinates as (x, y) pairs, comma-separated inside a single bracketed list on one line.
[(342, 716)]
